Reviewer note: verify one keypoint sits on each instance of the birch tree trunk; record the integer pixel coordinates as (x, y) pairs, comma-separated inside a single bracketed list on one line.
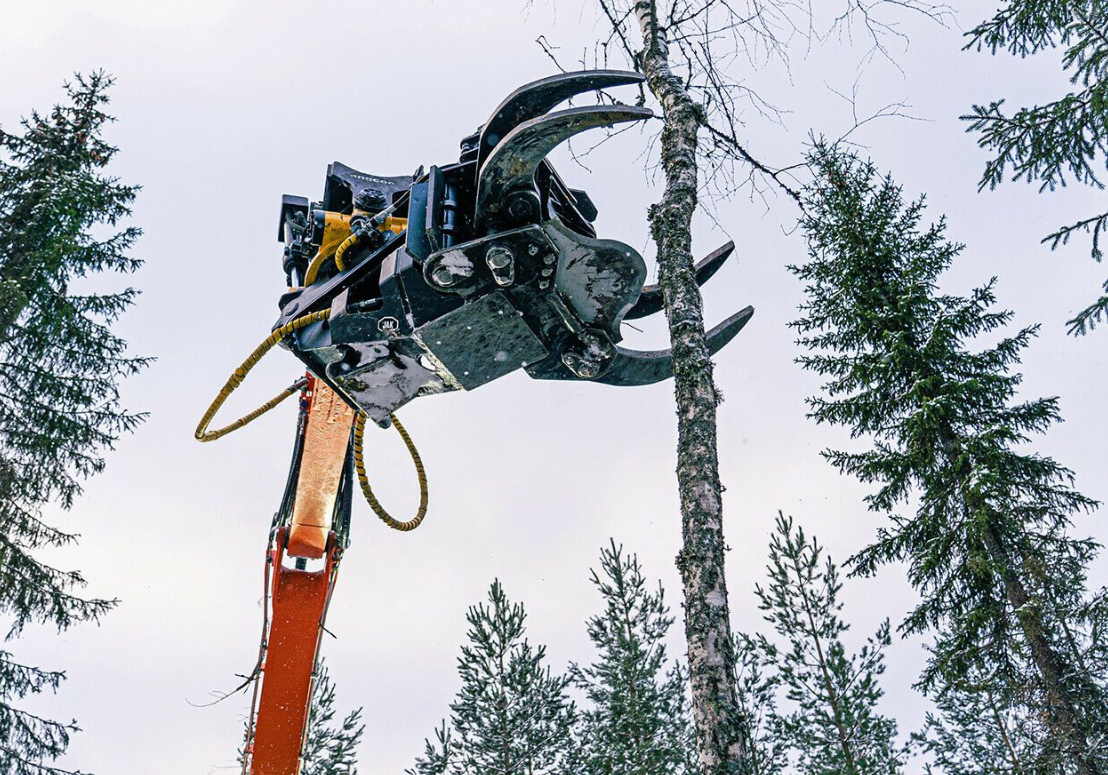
[(720, 726)]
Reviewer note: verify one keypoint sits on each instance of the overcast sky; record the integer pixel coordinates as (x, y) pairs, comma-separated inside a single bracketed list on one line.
[(225, 105)]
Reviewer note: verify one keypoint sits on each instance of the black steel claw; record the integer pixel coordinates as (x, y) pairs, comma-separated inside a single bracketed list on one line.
[(499, 268), (650, 300), (538, 97), (506, 182), (645, 367)]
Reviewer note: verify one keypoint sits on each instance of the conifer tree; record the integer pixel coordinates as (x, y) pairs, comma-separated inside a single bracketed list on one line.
[(981, 732), (638, 720), (512, 715), (1002, 582), (757, 695), (437, 754), (833, 725), (1058, 142), (697, 57), (330, 748), (60, 366)]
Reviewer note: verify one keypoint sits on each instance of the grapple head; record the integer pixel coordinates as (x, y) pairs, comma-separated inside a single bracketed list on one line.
[(450, 278)]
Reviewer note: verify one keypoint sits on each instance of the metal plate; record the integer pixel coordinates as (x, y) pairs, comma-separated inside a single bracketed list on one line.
[(600, 278), (483, 340), (384, 380)]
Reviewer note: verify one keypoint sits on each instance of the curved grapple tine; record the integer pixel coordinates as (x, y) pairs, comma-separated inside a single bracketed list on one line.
[(533, 99), (650, 300), (511, 166), (645, 367)]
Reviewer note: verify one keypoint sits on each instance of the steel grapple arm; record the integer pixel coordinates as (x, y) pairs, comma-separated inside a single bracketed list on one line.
[(460, 274)]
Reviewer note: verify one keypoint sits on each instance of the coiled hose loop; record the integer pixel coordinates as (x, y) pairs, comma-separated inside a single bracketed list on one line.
[(367, 490), (236, 379)]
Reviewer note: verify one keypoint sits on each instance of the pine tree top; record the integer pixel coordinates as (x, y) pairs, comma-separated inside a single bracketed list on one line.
[(637, 719), (511, 715), (833, 723)]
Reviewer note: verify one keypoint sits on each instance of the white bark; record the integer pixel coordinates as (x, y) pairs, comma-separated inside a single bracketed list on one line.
[(720, 726)]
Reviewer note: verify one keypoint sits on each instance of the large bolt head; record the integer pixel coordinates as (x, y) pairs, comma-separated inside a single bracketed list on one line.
[(450, 269), (499, 256), (523, 207), (371, 199), (590, 358), (443, 277), (502, 263)]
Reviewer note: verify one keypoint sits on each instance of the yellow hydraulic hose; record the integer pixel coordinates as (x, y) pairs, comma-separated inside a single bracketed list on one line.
[(314, 266), (383, 219), (347, 243), (311, 274), (363, 480), (236, 379)]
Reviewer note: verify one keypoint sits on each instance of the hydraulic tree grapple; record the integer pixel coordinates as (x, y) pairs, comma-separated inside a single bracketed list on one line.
[(401, 287), (463, 273)]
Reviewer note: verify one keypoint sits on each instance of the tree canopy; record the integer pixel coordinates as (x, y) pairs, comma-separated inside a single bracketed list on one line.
[(989, 546), (60, 369)]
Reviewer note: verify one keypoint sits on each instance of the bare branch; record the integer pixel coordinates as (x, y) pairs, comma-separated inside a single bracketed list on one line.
[(734, 146), (549, 50)]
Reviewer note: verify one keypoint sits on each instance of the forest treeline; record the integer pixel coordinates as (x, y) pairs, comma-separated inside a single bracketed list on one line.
[(925, 381), (1017, 640), (1017, 669), (810, 691)]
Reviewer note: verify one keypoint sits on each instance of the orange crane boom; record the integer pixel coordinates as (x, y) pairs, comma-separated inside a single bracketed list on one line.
[(299, 602), (298, 597)]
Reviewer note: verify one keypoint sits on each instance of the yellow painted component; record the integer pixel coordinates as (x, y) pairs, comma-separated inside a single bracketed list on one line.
[(395, 225), (337, 239), (336, 228)]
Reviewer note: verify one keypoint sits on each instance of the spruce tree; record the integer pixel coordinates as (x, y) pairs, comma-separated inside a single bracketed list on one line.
[(833, 725), (1058, 142), (512, 715), (60, 366), (638, 720), (981, 732), (1002, 582)]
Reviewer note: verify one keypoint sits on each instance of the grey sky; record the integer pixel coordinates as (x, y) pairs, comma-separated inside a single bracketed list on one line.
[(223, 106)]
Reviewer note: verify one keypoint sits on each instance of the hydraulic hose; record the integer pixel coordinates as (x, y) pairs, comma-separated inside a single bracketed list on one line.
[(367, 490), (236, 379)]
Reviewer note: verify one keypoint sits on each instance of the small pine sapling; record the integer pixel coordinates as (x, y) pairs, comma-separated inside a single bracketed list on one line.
[(512, 715), (834, 724), (638, 719)]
